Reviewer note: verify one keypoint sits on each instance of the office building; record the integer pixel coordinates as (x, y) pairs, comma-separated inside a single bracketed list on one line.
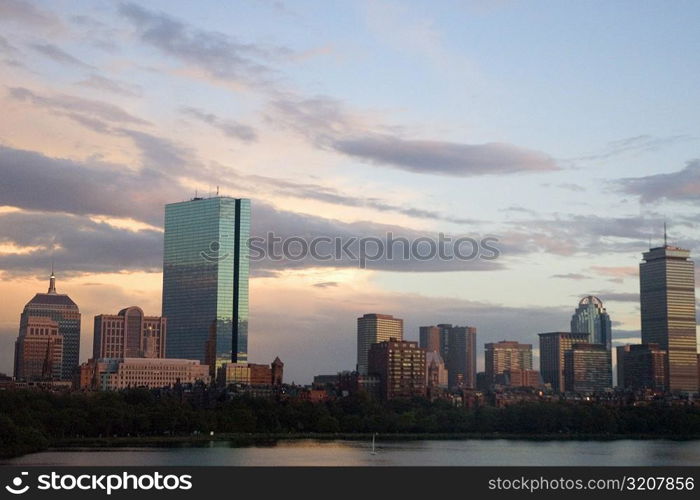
[(642, 366), (429, 338), (667, 297), (371, 329), (61, 309), (591, 317), (506, 356), (114, 374), (400, 366), (205, 278), (38, 350), (587, 368), (520, 378), (552, 348), (461, 356), (129, 334)]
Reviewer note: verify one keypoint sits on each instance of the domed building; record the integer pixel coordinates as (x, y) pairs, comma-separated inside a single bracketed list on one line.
[(592, 318)]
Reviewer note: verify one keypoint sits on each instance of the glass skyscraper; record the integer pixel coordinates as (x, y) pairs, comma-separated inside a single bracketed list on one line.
[(592, 318), (205, 279), (667, 299)]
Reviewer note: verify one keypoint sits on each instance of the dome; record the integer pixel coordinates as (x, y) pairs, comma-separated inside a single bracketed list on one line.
[(591, 300)]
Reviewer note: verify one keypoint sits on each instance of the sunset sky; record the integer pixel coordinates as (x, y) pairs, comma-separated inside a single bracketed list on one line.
[(568, 130)]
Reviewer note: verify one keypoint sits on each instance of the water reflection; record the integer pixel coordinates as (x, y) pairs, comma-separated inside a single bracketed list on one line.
[(408, 453)]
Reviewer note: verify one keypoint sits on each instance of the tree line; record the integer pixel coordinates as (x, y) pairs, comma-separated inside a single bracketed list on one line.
[(34, 420)]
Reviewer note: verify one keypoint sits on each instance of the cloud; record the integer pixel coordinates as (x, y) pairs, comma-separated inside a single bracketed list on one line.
[(219, 55), (70, 106), (606, 296), (36, 182), (682, 185), (102, 83), (635, 145), (78, 243), (326, 284), (571, 276), (58, 54), (444, 158), (328, 126), (230, 128), (26, 13)]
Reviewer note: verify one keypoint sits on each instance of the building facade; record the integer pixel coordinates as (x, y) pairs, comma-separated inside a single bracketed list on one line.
[(61, 309), (506, 356), (435, 371), (642, 366), (667, 299), (461, 356), (553, 345), (38, 350), (429, 338), (591, 317), (129, 334), (123, 373), (371, 329), (587, 368), (400, 366), (251, 373), (205, 278)]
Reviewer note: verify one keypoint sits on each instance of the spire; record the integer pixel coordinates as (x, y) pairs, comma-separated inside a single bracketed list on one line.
[(665, 236), (52, 281)]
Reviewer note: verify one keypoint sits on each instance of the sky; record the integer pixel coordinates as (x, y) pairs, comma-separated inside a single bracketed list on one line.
[(566, 130)]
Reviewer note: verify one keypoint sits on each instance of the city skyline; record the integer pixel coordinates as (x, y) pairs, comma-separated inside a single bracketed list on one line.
[(542, 127)]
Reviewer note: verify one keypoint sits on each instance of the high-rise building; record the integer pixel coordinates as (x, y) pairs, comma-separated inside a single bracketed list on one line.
[(60, 308), (205, 278), (371, 329), (400, 366), (667, 299), (552, 348), (129, 334), (591, 317), (461, 357), (506, 356), (38, 349), (642, 366), (429, 338), (587, 368)]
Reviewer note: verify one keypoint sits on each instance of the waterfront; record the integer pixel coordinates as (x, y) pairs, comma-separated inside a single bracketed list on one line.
[(389, 453)]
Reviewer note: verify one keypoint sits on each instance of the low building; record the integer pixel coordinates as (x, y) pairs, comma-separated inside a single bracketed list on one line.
[(251, 374), (122, 373)]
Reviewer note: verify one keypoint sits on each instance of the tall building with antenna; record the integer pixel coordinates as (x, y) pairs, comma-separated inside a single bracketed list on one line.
[(667, 299), (59, 308), (205, 279)]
